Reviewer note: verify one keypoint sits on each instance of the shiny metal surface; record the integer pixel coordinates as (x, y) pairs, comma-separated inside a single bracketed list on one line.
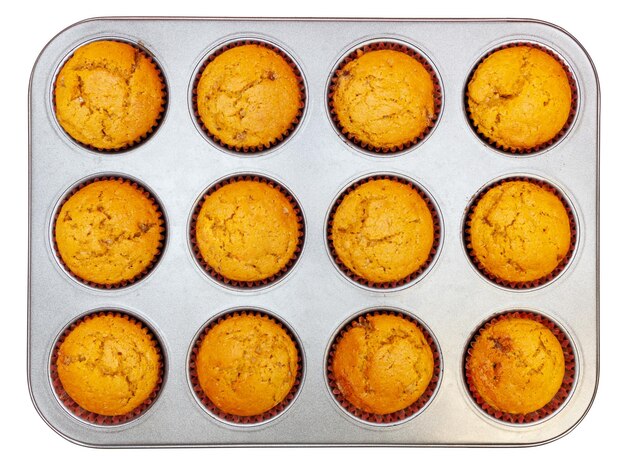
[(177, 163)]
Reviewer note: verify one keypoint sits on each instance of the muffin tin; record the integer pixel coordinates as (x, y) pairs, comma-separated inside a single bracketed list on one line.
[(315, 163)]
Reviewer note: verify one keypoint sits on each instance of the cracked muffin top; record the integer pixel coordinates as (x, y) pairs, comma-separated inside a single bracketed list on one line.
[(384, 99), (247, 364), (108, 232), (247, 230), (383, 231), (516, 365), (519, 231), (249, 97), (382, 364), (109, 364), (519, 97), (108, 95)]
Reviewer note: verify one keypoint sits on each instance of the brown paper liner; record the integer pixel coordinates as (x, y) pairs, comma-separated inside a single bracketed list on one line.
[(520, 284), (376, 47), (286, 133), (560, 397), (146, 270), (92, 417), (143, 138), (570, 119), (399, 415), (242, 419), (391, 284), (247, 284)]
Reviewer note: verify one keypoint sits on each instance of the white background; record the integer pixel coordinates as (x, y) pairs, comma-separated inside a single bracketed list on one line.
[(27, 27)]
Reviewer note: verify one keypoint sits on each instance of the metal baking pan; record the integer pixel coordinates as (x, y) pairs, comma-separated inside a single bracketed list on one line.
[(178, 163)]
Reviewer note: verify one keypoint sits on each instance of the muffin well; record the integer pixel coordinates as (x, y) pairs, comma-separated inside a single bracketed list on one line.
[(109, 95), (382, 363), (383, 99), (382, 231), (247, 230), (519, 98), (249, 97), (247, 364), (519, 231), (109, 232), (109, 364), (517, 365)]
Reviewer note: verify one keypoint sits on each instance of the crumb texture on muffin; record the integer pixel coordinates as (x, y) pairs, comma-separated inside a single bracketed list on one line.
[(108, 365), (247, 230), (519, 231), (249, 97), (519, 97), (382, 364), (108, 232), (108, 95), (383, 231), (384, 98), (517, 365), (247, 364)]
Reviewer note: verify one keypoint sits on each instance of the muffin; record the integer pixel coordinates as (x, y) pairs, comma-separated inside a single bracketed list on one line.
[(382, 363), (519, 232), (108, 232), (247, 231), (383, 99), (516, 365), (247, 364), (519, 98), (109, 95), (249, 97), (382, 231), (109, 364)]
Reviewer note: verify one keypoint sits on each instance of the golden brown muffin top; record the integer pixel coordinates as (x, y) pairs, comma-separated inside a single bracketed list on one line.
[(384, 98), (383, 230), (249, 97), (108, 232), (108, 95), (519, 97), (247, 364), (247, 230), (517, 365), (520, 231), (108, 365), (382, 364)]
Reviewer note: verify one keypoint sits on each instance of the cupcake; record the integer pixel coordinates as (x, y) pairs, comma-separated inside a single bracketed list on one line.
[(382, 364), (384, 99), (515, 365), (109, 95), (249, 97), (520, 98), (382, 231), (247, 231), (246, 365), (109, 365), (519, 232), (109, 232)]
